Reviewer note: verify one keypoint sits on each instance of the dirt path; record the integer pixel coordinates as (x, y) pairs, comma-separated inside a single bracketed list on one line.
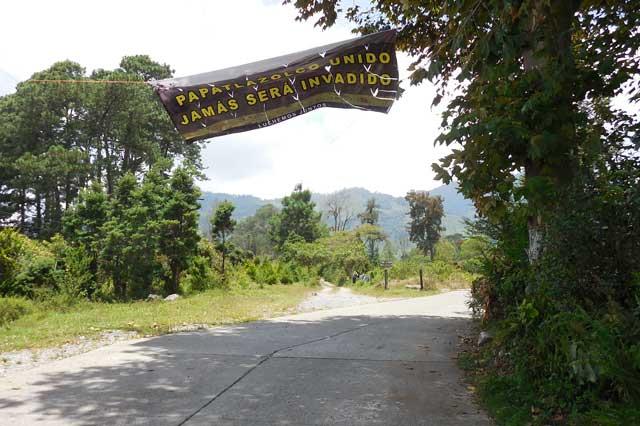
[(331, 296)]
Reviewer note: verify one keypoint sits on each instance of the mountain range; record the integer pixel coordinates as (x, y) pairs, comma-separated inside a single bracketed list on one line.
[(393, 210)]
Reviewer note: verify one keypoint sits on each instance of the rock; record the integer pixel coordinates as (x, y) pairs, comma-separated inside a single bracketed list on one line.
[(172, 297), (485, 337), (154, 297)]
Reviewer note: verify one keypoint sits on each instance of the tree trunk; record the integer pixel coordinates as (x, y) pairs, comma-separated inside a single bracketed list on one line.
[(532, 167), (534, 219), (175, 279), (23, 210), (38, 224), (224, 250), (559, 16)]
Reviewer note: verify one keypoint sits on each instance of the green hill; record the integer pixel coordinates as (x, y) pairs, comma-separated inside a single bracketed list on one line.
[(393, 210)]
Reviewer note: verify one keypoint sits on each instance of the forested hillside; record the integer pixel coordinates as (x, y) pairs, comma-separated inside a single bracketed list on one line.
[(393, 210)]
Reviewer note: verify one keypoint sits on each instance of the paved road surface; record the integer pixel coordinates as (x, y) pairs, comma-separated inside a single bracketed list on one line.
[(379, 364)]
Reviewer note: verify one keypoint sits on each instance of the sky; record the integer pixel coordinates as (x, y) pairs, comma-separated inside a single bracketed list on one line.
[(326, 150)]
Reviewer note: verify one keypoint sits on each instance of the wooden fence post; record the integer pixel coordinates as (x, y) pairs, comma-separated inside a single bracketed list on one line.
[(421, 282)]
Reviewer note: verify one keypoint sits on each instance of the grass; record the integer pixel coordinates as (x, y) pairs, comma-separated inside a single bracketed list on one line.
[(45, 328)]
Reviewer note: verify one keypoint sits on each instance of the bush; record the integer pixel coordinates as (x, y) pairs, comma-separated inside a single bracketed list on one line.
[(239, 277), (569, 325), (286, 273), (37, 274), (200, 276), (409, 267), (33, 269), (446, 251), (335, 257), (73, 269), (12, 308), (49, 300), (24, 265), (12, 247)]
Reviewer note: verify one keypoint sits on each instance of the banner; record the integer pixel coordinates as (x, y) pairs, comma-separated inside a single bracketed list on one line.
[(361, 73)]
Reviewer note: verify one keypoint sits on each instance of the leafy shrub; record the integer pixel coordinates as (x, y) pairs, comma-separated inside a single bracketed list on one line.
[(34, 269), (239, 277), (199, 276), (12, 308), (11, 249), (73, 269), (446, 251), (335, 257), (409, 267), (25, 265), (286, 273), (37, 274), (570, 324)]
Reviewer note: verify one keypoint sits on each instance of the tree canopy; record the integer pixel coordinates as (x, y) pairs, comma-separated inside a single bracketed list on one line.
[(57, 138), (528, 85), (425, 220), (297, 219)]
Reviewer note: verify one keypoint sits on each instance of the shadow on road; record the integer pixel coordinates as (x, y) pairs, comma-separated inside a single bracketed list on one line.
[(351, 370)]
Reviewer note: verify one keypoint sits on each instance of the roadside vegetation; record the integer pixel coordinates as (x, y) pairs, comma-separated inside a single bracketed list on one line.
[(542, 118), (43, 324)]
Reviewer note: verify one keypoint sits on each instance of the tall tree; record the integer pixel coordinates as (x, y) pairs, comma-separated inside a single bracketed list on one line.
[(338, 210), (57, 138), (372, 236), (425, 220), (297, 219), (179, 225), (222, 225), (371, 213), (369, 230), (83, 224), (528, 80), (253, 233), (118, 256)]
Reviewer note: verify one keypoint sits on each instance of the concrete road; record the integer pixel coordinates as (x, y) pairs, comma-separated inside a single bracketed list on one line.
[(387, 363)]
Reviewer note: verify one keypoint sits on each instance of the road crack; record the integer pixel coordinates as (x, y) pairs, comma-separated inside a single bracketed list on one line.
[(262, 361)]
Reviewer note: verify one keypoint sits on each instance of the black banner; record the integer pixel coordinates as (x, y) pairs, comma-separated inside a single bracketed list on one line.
[(361, 73)]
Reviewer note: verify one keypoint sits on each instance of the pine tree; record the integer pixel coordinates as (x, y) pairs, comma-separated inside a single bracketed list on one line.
[(179, 225), (297, 219), (222, 225), (83, 224)]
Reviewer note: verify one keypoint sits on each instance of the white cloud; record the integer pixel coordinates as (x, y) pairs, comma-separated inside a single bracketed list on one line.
[(325, 149)]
